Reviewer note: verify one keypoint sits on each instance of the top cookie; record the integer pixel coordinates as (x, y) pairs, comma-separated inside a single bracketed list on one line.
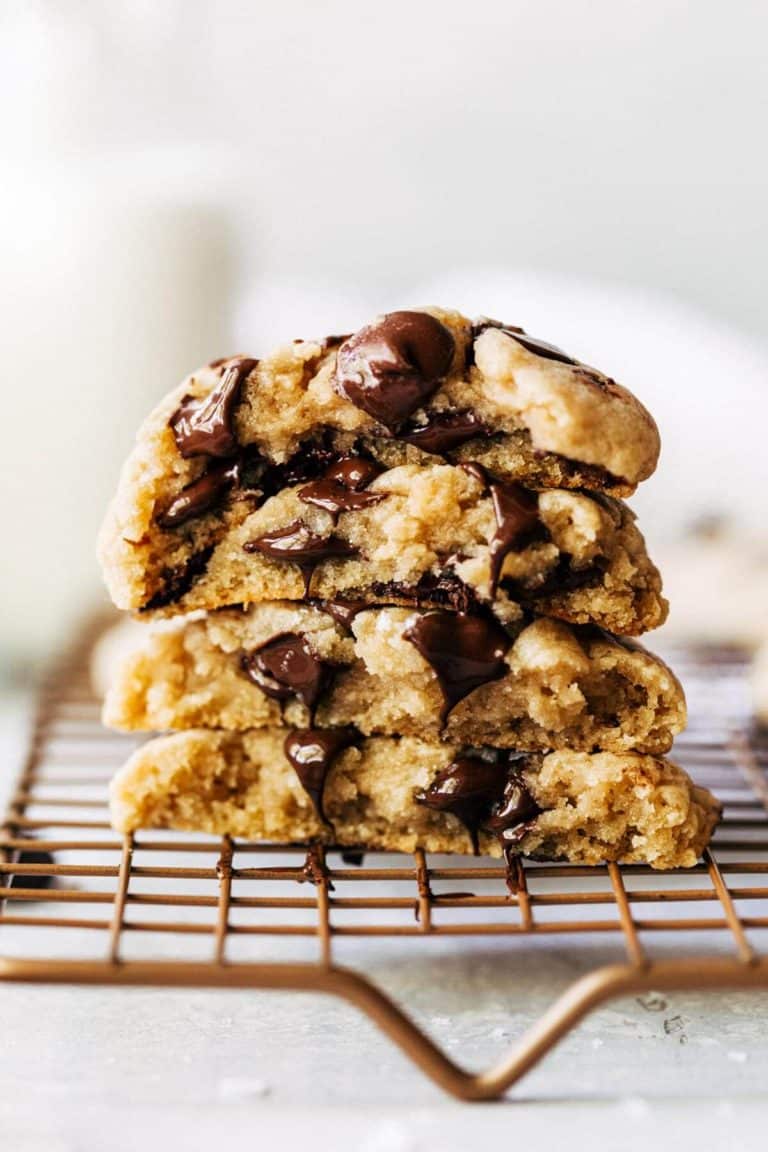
[(415, 385), (406, 395)]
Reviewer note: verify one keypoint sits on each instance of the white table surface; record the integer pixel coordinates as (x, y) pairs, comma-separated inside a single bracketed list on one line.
[(89, 1068)]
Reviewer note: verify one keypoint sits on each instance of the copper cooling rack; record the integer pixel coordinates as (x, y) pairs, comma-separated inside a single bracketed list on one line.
[(66, 877)]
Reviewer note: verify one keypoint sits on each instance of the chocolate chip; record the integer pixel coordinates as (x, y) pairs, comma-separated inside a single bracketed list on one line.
[(464, 652), (311, 752), (532, 343), (340, 487), (176, 582), (201, 495), (444, 431), (204, 427), (391, 367), (300, 545), (286, 666)]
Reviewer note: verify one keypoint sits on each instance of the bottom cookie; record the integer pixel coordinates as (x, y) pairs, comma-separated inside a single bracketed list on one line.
[(402, 794)]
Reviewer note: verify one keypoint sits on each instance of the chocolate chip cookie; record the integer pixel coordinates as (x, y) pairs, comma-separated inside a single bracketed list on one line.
[(406, 794), (457, 677), (435, 534)]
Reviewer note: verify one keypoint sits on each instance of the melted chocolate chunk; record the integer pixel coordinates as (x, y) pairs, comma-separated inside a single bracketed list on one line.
[(517, 519), (444, 432), (468, 789), (562, 578), (201, 495), (343, 611), (176, 582), (390, 368), (311, 752), (300, 545), (464, 652), (204, 427), (340, 487), (532, 343), (486, 794), (444, 591), (513, 815), (286, 666)]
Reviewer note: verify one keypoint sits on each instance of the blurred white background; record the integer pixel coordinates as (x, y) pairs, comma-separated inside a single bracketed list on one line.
[(184, 178)]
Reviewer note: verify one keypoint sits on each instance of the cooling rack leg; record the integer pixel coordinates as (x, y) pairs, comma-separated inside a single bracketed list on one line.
[(575, 1003)]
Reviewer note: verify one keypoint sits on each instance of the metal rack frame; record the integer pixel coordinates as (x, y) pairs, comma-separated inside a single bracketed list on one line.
[(86, 867)]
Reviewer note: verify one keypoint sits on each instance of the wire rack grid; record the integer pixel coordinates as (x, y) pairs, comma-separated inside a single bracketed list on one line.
[(63, 871)]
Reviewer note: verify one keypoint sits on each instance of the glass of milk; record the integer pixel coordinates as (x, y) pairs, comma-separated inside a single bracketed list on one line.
[(109, 299)]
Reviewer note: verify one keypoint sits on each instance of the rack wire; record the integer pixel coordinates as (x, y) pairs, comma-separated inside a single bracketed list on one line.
[(65, 875)]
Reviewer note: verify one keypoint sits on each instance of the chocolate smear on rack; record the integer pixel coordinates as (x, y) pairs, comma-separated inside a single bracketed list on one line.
[(300, 545), (311, 752), (204, 427), (286, 667), (463, 651), (444, 431), (531, 343), (176, 582), (341, 487), (201, 495), (389, 368)]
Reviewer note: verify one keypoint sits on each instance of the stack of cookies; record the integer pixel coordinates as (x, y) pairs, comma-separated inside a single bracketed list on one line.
[(388, 580)]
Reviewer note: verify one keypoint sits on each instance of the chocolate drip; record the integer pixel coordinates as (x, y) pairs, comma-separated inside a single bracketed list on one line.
[(486, 794), (472, 468), (353, 856), (286, 666), (300, 545), (343, 611), (312, 752), (464, 652), (389, 368), (517, 519), (204, 427), (444, 432), (177, 581), (532, 343), (340, 487), (201, 495)]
